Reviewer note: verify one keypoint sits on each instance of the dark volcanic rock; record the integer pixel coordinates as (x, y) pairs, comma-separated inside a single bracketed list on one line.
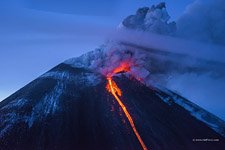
[(69, 108)]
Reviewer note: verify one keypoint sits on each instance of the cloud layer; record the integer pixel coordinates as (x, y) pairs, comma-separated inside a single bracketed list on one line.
[(204, 21)]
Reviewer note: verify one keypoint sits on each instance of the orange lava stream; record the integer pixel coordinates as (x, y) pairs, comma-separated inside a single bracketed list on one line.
[(116, 92)]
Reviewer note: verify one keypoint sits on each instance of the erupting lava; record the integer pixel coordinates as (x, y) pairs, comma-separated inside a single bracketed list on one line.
[(123, 67), (116, 92)]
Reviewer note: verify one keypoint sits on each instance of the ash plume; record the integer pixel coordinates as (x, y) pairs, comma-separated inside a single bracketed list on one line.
[(164, 59), (203, 20)]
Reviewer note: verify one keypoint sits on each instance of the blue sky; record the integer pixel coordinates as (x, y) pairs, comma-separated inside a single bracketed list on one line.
[(38, 34)]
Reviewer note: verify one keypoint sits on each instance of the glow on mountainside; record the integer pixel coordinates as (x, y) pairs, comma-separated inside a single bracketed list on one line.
[(116, 92)]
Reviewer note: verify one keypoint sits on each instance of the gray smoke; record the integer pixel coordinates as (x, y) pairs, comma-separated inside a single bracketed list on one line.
[(204, 21), (191, 62), (191, 68)]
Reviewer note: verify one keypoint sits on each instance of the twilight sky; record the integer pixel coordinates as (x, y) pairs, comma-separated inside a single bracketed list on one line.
[(36, 35)]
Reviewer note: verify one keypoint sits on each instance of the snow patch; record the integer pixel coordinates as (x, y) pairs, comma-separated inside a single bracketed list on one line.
[(58, 75), (199, 113), (87, 79), (7, 122), (48, 105), (165, 99), (15, 103), (85, 60)]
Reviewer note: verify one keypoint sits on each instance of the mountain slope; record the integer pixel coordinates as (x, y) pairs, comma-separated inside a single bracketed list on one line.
[(106, 99), (70, 108)]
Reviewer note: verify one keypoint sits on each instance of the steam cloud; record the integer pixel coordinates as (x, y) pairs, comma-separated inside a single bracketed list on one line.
[(193, 69), (114, 53), (176, 61), (204, 21)]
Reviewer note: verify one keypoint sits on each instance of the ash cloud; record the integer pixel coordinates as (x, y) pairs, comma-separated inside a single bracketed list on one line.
[(191, 62), (154, 19), (195, 70), (204, 21), (113, 54)]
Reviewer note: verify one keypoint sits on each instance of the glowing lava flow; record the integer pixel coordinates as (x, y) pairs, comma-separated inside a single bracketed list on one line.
[(115, 90)]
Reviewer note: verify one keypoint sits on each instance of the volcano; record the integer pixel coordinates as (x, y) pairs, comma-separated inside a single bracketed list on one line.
[(103, 100), (69, 108)]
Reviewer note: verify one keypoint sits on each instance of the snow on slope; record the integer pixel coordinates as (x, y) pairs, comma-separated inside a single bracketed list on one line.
[(199, 113), (153, 19), (47, 105)]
